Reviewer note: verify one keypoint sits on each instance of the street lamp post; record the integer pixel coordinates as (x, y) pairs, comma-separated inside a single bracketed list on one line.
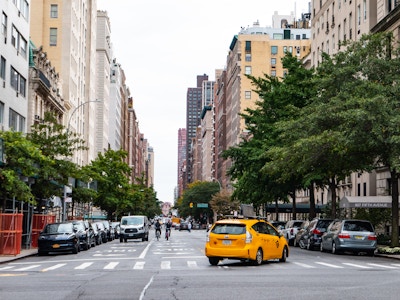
[(67, 188)]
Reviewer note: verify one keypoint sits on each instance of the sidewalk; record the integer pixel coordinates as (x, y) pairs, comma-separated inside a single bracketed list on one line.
[(24, 253)]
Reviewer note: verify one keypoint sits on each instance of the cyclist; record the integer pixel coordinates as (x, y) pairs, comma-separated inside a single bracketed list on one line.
[(157, 226), (168, 226)]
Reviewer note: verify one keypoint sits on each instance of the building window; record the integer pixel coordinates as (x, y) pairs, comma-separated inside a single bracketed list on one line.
[(273, 73), (54, 11), (17, 82), (274, 50), (19, 42), (16, 121), (247, 94), (3, 68), (365, 9), (4, 26), (1, 113), (247, 70), (273, 61), (277, 36), (53, 36), (24, 9), (248, 46), (284, 49), (248, 57)]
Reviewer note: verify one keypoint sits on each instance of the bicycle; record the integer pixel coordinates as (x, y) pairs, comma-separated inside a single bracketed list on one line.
[(158, 234), (167, 233)]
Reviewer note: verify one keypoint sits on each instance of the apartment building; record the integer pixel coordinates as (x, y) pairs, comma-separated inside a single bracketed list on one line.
[(14, 64), (67, 32), (181, 161)]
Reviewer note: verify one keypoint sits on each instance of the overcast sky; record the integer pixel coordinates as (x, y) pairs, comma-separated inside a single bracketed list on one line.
[(162, 45)]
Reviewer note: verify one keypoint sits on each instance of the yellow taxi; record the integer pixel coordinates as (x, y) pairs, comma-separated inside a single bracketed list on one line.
[(254, 240)]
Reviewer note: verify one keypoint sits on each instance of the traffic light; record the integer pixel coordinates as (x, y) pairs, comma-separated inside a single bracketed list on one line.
[(191, 204)]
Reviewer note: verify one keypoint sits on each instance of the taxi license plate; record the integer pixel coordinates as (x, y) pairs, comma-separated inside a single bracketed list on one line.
[(55, 246), (226, 242), (358, 237)]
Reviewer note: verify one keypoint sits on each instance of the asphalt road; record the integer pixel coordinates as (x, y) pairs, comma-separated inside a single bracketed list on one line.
[(177, 269)]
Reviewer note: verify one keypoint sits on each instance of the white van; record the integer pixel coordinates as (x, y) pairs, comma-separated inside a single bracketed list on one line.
[(134, 227)]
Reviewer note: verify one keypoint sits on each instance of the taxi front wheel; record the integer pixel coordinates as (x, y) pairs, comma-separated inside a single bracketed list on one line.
[(259, 258), (213, 261)]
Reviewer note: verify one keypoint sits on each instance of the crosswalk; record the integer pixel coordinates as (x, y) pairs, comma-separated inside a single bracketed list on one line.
[(189, 264)]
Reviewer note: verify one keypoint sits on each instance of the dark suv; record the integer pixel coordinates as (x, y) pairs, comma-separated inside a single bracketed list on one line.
[(311, 237)]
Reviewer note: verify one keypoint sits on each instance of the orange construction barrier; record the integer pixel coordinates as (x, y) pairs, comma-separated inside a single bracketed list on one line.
[(38, 223), (10, 233)]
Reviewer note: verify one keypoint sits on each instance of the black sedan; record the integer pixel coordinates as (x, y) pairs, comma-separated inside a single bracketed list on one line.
[(58, 237)]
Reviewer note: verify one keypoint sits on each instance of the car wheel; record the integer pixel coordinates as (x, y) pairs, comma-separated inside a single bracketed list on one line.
[(301, 244), (213, 261), (284, 255), (259, 258), (334, 249), (125, 240), (371, 253)]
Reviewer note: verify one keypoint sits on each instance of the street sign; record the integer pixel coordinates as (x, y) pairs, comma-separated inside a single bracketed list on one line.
[(202, 205)]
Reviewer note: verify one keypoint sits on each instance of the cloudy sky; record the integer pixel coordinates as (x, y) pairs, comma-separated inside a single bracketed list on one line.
[(163, 45)]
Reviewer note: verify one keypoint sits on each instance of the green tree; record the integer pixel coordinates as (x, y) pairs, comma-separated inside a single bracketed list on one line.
[(222, 204)]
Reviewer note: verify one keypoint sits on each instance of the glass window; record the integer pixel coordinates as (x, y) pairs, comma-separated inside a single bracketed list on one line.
[(248, 57), (247, 94), (3, 68), (24, 8), (273, 73), (14, 79), (273, 61), (247, 70), (1, 113), (23, 46), (4, 25), (53, 36), (277, 36), (14, 37), (274, 49), (54, 11), (248, 46)]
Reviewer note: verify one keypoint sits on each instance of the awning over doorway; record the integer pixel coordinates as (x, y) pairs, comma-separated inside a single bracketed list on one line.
[(366, 202)]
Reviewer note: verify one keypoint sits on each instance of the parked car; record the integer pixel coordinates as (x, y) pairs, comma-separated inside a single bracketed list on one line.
[(86, 235), (349, 235), (89, 227), (102, 231), (291, 229), (109, 231), (116, 228), (183, 226), (246, 240), (311, 237), (58, 237), (279, 225), (97, 234), (299, 234)]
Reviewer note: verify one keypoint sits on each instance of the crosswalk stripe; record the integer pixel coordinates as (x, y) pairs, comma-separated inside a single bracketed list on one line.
[(111, 265), (329, 265), (139, 265), (165, 265), (53, 267), (6, 268), (191, 264), (83, 266), (304, 265), (382, 266), (27, 268), (357, 266)]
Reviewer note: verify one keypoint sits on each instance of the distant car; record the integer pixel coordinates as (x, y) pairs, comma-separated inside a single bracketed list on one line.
[(85, 235), (102, 231), (109, 231), (349, 235), (97, 234), (298, 238), (116, 228), (183, 226), (291, 229), (58, 237), (312, 234), (279, 225), (246, 240), (134, 227)]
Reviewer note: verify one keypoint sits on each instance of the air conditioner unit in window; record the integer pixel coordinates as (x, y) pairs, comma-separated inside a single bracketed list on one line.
[(37, 117)]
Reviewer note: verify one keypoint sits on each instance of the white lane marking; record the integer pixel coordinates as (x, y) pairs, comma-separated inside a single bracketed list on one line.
[(192, 264), (145, 288), (139, 265), (53, 267), (6, 268), (357, 266), (27, 268), (382, 266), (329, 265), (83, 266), (304, 265), (165, 265), (111, 265), (143, 254)]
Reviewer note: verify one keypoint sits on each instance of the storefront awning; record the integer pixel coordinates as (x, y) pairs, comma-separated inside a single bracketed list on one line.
[(366, 202)]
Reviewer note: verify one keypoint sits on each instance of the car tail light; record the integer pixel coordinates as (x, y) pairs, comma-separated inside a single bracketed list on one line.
[(316, 231), (344, 236), (249, 237), (372, 237)]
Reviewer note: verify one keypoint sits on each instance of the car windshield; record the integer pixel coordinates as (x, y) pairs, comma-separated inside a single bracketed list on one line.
[(79, 226), (358, 226), (132, 221), (297, 224), (58, 228), (229, 229)]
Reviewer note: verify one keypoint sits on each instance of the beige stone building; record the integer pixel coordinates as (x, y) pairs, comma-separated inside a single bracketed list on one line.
[(67, 32)]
